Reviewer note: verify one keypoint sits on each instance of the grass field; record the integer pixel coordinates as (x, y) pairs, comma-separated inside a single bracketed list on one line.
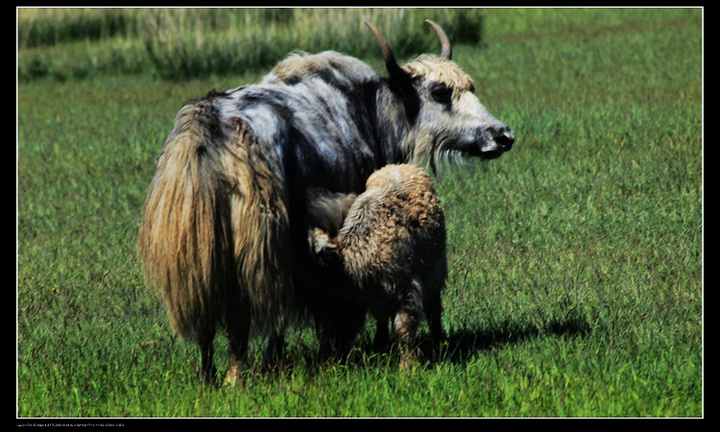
[(576, 259)]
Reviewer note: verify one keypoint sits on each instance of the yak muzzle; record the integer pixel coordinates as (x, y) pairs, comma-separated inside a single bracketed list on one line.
[(502, 141), (505, 139)]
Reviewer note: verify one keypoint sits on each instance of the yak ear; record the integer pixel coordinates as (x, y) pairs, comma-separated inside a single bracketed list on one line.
[(324, 248), (392, 66), (321, 243)]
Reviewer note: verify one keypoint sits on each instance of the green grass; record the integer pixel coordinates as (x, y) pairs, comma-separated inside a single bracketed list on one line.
[(176, 44), (575, 284)]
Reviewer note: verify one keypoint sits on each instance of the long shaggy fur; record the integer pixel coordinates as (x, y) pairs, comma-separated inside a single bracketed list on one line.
[(260, 223), (224, 234), (390, 248), (215, 231), (185, 239)]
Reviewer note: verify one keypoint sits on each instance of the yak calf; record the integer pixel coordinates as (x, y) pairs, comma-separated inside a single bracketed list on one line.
[(385, 249)]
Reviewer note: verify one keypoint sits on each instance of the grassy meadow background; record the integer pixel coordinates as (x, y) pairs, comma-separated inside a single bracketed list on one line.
[(576, 265)]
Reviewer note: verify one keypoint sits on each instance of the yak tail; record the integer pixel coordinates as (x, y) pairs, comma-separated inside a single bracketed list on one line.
[(185, 239), (214, 234)]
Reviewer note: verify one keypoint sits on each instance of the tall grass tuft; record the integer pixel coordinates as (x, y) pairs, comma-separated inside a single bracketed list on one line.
[(180, 43)]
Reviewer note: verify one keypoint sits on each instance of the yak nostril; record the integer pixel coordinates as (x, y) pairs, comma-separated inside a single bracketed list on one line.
[(506, 139)]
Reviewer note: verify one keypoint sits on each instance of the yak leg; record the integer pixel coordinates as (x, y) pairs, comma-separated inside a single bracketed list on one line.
[(275, 352), (406, 323), (208, 370), (339, 329), (381, 342), (405, 328), (433, 312), (238, 334), (350, 328)]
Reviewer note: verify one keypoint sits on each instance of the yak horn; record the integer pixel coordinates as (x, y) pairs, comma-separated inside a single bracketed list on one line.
[(391, 64), (444, 41)]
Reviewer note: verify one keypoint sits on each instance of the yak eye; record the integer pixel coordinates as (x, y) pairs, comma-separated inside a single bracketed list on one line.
[(441, 93)]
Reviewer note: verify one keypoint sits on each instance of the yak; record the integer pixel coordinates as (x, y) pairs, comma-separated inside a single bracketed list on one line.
[(223, 236)]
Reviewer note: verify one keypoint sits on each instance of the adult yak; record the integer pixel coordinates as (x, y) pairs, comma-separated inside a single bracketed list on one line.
[(224, 232)]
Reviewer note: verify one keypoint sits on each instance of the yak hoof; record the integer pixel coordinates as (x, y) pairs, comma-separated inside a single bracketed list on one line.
[(408, 360), (232, 377)]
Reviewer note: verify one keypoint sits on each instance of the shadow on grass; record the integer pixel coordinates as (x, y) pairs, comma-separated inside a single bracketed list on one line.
[(462, 343), (458, 346)]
